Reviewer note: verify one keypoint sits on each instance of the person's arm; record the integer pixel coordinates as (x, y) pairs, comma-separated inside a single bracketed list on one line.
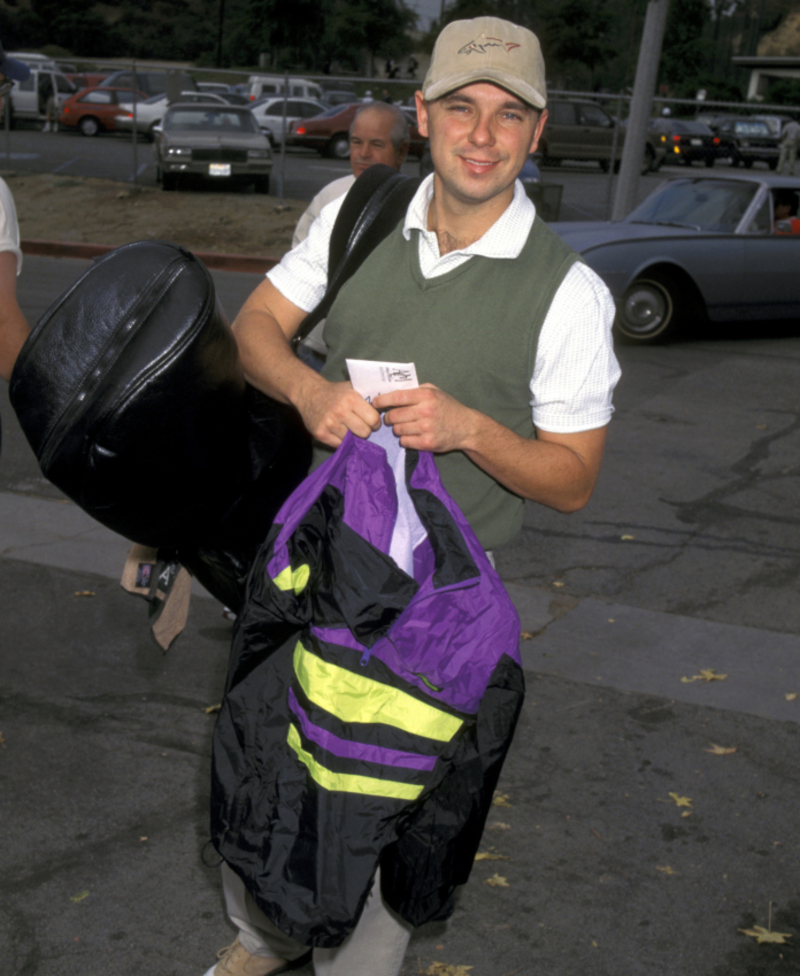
[(263, 331), (14, 328), (557, 470)]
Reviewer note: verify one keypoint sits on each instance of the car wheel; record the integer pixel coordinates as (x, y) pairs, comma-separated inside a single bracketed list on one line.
[(647, 311), (261, 184), (648, 161), (89, 126), (748, 163), (710, 160), (169, 181), (604, 165), (339, 146), (772, 163)]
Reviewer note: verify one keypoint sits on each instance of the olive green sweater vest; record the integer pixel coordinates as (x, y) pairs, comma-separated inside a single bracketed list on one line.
[(472, 331)]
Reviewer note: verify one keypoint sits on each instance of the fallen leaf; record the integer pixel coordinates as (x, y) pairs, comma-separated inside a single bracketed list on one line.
[(496, 881), (761, 426), (443, 969), (558, 584), (706, 674), (792, 696), (488, 856), (681, 801), (499, 826), (211, 709), (85, 593), (501, 800), (720, 750), (80, 896), (627, 538), (2, 741), (666, 870), (142, 838), (526, 635), (765, 935)]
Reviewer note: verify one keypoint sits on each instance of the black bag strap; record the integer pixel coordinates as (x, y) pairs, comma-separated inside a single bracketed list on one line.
[(373, 207)]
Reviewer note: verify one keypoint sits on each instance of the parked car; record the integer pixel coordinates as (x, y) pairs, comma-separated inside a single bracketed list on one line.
[(96, 110), (150, 81), (150, 112), (235, 98), (685, 141), (211, 142), (579, 129), (27, 99), (329, 132), (258, 86), (747, 141), (269, 113), (331, 98), (696, 248), (86, 79)]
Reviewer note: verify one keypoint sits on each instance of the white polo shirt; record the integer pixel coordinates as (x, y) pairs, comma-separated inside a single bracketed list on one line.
[(576, 369)]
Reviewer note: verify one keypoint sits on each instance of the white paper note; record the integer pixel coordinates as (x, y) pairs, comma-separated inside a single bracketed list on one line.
[(371, 378)]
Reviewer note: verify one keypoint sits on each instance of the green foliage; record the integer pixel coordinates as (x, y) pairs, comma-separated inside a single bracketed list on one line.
[(783, 91)]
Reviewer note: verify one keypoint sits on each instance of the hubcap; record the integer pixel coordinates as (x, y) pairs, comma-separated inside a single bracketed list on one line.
[(645, 309)]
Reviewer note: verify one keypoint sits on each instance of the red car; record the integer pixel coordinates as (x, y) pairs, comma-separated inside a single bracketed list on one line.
[(329, 132), (94, 109)]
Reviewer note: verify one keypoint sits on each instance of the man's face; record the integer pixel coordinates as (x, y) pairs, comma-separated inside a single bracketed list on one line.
[(480, 137), (370, 142)]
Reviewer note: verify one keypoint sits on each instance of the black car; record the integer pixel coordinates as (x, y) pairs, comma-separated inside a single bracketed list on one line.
[(686, 141), (747, 141)]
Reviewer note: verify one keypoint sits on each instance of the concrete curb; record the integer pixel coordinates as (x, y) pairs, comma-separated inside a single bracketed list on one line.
[(216, 262)]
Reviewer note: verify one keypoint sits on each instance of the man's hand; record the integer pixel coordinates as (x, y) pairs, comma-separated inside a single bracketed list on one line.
[(331, 409), (428, 419)]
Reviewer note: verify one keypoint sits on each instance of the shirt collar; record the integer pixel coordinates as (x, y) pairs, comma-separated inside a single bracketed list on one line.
[(504, 239)]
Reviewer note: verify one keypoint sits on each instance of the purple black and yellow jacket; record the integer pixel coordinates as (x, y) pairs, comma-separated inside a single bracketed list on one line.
[(372, 694)]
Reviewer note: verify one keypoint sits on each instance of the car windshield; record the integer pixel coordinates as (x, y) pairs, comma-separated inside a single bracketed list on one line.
[(154, 98), (711, 205), (205, 117), (692, 128)]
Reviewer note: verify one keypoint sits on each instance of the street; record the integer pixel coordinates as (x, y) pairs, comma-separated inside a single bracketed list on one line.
[(660, 624)]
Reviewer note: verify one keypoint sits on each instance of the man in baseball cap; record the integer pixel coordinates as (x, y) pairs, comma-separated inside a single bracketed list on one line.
[(510, 334)]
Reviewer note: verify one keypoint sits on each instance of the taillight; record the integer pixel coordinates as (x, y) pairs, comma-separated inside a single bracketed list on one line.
[(676, 138), (301, 131), (716, 140)]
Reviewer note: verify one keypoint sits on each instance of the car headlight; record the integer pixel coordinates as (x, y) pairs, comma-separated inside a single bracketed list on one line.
[(178, 151), (258, 154)]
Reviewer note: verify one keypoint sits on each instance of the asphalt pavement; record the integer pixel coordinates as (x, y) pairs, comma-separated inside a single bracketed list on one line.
[(643, 820)]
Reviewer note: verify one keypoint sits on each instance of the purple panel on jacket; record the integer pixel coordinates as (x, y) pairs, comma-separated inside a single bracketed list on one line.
[(358, 750), (448, 640)]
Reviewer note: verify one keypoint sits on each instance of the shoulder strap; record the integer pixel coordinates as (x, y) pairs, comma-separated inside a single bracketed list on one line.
[(373, 207)]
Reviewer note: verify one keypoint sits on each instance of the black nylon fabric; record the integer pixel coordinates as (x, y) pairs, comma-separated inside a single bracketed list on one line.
[(306, 854)]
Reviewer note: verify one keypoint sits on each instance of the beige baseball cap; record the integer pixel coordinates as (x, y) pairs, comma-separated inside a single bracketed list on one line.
[(487, 49)]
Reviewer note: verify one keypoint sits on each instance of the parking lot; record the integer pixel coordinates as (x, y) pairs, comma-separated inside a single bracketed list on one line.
[(587, 191)]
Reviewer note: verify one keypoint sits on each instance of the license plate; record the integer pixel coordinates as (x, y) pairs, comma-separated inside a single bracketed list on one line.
[(697, 142), (219, 169)]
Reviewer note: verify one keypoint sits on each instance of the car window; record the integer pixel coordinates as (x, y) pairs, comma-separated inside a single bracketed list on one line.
[(64, 85), (752, 129), (562, 113), (762, 222), (711, 205), (593, 115), (206, 118), (98, 98)]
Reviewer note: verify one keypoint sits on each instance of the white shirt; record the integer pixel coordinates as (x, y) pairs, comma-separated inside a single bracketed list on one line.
[(328, 193), (576, 369), (9, 231)]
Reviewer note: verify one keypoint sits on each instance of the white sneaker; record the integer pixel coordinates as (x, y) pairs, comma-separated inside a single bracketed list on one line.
[(46, 127)]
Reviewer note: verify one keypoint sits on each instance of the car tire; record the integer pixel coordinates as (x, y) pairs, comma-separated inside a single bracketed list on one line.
[(748, 163), (605, 165), (339, 146), (648, 161), (710, 160), (89, 126), (772, 163), (649, 309), (261, 184), (169, 181)]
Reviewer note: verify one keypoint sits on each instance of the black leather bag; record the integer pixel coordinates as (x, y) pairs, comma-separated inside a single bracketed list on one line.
[(131, 394), (130, 391)]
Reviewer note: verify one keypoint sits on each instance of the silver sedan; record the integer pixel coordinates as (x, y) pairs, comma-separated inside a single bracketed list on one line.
[(723, 249)]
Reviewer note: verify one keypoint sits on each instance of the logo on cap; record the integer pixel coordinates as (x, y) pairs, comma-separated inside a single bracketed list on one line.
[(480, 46)]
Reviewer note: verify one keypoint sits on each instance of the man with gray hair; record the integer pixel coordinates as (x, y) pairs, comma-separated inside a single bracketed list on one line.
[(378, 134), (510, 333)]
